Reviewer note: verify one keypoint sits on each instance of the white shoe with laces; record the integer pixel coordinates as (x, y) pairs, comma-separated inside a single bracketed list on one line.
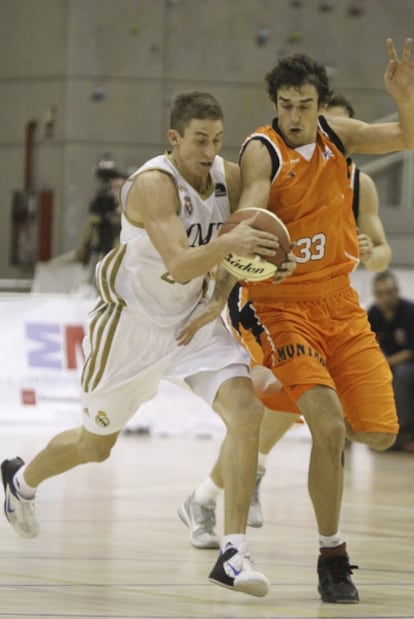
[(20, 512), (234, 570), (201, 520)]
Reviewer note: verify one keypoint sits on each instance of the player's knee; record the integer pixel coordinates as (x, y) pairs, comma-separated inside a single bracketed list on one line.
[(330, 436), (101, 453), (244, 416), (238, 406), (380, 441), (96, 448)]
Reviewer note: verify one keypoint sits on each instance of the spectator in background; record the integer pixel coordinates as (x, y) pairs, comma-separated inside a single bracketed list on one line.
[(100, 234), (102, 228), (392, 320)]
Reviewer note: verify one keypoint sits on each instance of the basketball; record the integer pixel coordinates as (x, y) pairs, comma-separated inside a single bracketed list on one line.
[(255, 268)]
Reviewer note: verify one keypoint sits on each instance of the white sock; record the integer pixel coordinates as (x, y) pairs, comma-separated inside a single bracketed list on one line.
[(235, 539), (22, 487), (207, 492), (261, 461), (330, 541)]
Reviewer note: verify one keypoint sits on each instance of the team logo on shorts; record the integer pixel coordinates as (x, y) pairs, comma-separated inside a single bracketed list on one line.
[(102, 420)]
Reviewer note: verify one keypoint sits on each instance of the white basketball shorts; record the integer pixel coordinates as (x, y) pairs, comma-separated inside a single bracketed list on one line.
[(126, 357)]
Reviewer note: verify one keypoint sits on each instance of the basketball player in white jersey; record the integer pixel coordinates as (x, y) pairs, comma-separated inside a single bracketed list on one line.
[(172, 208)]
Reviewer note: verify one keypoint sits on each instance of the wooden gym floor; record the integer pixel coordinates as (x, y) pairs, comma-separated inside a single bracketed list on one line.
[(112, 546)]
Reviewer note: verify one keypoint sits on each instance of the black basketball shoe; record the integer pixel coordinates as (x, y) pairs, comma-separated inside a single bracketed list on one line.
[(334, 570)]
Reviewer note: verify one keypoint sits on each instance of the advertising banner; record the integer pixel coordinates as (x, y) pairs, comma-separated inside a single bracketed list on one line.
[(41, 361)]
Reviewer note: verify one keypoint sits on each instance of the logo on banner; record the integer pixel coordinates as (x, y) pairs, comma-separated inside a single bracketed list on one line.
[(54, 346), (28, 397)]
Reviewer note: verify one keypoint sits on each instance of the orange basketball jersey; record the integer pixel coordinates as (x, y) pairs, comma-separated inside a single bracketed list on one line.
[(311, 192)]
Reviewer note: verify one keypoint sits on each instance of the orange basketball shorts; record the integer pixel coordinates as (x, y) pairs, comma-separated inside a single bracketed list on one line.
[(326, 341)]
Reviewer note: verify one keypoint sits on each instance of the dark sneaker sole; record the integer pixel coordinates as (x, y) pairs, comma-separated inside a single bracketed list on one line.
[(331, 600)]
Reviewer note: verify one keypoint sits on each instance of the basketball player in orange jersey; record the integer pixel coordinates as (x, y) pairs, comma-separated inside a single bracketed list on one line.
[(375, 254), (316, 337), (172, 209)]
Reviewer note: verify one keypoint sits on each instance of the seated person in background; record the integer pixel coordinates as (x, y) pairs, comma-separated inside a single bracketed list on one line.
[(392, 320)]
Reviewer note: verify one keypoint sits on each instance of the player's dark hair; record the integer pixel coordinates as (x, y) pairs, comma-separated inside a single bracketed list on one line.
[(296, 71), (338, 100), (190, 105), (383, 276)]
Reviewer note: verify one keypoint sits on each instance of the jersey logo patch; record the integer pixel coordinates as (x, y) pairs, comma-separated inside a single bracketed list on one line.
[(188, 206), (327, 153), (220, 190)]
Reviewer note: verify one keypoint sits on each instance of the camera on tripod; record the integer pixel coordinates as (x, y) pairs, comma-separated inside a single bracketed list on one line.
[(104, 208)]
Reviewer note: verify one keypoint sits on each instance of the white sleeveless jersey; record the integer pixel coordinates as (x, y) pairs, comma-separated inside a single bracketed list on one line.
[(134, 274)]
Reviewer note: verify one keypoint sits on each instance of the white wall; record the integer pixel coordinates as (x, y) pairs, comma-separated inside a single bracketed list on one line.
[(140, 53)]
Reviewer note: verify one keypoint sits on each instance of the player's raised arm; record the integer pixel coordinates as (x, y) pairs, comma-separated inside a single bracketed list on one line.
[(361, 137)]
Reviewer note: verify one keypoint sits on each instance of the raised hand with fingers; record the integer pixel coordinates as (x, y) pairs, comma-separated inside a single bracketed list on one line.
[(399, 73)]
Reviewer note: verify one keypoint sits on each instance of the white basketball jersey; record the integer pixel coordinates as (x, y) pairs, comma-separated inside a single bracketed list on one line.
[(134, 274)]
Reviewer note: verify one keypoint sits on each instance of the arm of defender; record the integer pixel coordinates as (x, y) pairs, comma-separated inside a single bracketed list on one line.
[(211, 309), (375, 253), (361, 137), (255, 176), (256, 170), (232, 171)]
